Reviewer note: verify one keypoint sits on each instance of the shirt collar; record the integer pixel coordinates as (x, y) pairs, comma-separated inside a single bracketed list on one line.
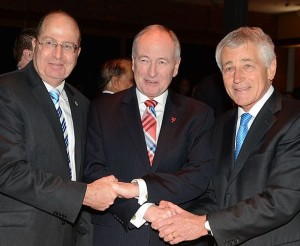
[(161, 99), (60, 87), (258, 105)]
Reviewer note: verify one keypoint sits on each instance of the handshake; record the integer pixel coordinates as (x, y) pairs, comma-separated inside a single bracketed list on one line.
[(173, 223), (102, 193)]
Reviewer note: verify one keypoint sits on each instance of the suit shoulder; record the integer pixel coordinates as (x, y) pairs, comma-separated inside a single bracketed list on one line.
[(193, 104), (290, 104), (12, 77), (79, 94), (108, 101)]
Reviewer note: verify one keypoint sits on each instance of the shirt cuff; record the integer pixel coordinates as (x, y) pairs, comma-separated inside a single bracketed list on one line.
[(207, 227), (143, 191), (138, 219)]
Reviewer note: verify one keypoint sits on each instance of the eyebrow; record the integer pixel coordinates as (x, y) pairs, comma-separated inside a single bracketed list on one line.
[(243, 60)]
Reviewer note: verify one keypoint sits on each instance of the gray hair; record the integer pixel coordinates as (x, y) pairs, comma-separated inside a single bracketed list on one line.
[(162, 28), (243, 35)]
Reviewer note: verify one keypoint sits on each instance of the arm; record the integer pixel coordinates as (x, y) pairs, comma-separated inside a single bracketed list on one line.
[(30, 171)]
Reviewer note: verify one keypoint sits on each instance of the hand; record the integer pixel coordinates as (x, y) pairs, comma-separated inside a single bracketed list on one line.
[(100, 194), (184, 226), (126, 190), (154, 213)]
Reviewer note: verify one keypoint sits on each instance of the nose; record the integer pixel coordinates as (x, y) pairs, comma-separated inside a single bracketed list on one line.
[(57, 52), (152, 70), (238, 76)]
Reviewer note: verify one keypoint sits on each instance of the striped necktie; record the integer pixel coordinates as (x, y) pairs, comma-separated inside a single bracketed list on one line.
[(242, 132), (54, 94), (149, 123)]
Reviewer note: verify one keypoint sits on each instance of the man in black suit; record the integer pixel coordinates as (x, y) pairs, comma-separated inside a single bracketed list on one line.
[(255, 187), (180, 167), (40, 171)]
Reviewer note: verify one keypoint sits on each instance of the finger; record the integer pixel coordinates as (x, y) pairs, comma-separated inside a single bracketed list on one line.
[(159, 223), (165, 231), (163, 204), (111, 178), (175, 208)]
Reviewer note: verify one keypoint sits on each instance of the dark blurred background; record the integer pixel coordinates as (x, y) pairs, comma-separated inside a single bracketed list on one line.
[(109, 26)]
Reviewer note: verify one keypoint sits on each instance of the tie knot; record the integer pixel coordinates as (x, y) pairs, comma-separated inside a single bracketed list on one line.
[(245, 119), (151, 103), (54, 94)]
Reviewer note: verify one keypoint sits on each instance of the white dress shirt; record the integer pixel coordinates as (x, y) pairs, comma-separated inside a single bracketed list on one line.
[(66, 110), (138, 219)]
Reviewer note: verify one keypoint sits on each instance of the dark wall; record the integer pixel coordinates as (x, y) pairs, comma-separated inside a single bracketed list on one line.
[(7, 62), (197, 60)]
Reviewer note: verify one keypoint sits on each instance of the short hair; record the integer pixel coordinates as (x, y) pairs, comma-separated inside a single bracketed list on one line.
[(244, 35), (41, 22), (162, 28), (24, 41), (113, 67)]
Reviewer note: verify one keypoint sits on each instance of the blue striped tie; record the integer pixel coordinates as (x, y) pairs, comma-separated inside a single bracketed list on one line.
[(54, 94), (242, 132)]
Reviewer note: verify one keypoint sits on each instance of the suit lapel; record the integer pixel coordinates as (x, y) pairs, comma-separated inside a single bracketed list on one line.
[(224, 141), (171, 121), (41, 95), (261, 125), (131, 115)]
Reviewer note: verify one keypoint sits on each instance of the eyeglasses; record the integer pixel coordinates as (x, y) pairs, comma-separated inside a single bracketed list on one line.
[(66, 46)]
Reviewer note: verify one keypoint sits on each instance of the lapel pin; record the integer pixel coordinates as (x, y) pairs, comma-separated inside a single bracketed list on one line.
[(76, 103), (173, 119)]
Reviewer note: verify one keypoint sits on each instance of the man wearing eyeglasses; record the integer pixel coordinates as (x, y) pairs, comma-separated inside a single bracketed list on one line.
[(42, 146)]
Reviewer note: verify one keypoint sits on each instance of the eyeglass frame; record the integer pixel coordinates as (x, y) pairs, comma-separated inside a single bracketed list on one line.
[(54, 44)]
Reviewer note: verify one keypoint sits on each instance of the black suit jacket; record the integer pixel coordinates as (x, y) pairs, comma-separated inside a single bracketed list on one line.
[(258, 196), (39, 205), (116, 145)]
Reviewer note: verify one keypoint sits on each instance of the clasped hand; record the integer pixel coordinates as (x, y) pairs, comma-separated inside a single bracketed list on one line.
[(182, 226), (102, 193)]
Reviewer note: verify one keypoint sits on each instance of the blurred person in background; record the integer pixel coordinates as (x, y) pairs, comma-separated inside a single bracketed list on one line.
[(23, 47)]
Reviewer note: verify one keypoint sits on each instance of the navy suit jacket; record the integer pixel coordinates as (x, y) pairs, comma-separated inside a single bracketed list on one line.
[(39, 204), (116, 145), (258, 196)]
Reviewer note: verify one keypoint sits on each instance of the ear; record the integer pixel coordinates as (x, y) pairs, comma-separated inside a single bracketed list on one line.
[(27, 54), (114, 82), (272, 70), (33, 43), (132, 63), (175, 72), (78, 51)]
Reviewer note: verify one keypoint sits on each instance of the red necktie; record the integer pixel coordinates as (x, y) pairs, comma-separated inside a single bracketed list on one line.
[(149, 124)]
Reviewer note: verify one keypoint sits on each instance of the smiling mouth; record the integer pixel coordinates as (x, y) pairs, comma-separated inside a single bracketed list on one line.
[(151, 82), (241, 89)]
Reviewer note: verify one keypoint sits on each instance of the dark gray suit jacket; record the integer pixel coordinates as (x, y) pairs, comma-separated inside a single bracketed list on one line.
[(116, 145), (39, 205), (258, 197)]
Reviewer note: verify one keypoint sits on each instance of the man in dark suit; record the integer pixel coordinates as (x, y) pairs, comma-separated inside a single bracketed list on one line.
[(255, 187), (40, 193), (116, 75), (180, 167)]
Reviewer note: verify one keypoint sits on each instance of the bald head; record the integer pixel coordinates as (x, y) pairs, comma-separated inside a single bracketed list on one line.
[(57, 47), (60, 17)]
